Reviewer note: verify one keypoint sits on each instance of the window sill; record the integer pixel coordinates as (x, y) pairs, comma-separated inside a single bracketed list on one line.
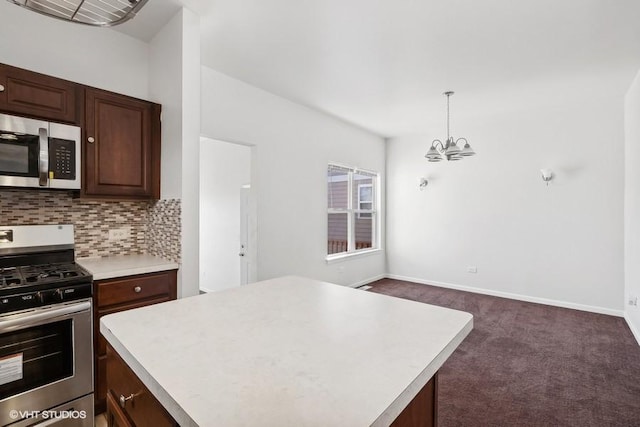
[(330, 259)]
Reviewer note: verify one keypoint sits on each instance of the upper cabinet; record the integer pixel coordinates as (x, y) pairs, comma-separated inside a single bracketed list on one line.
[(121, 146), (32, 94), (121, 134)]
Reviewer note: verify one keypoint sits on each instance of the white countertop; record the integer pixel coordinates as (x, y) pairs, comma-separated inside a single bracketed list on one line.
[(125, 265), (286, 352)]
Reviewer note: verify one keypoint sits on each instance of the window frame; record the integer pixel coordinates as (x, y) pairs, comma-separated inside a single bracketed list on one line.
[(354, 213)]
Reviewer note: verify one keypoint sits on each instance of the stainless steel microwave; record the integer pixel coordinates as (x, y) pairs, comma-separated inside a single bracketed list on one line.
[(38, 154)]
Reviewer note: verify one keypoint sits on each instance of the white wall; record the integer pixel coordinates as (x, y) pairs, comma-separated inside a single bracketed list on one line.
[(561, 244), (293, 145), (224, 169), (632, 205), (98, 57), (175, 83), (165, 88)]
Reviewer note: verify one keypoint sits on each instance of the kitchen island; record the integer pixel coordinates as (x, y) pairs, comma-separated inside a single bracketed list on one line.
[(285, 352)]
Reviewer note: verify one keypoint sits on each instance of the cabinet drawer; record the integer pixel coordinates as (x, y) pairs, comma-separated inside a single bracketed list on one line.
[(141, 407), (132, 289)]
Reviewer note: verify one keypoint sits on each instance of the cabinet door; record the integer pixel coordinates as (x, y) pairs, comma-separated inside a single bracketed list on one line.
[(136, 401), (115, 416), (26, 93), (122, 146)]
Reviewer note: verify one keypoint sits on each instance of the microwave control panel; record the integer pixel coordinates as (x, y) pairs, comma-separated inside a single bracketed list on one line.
[(62, 159)]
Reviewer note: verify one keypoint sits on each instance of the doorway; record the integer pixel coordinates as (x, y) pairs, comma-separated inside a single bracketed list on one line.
[(225, 194)]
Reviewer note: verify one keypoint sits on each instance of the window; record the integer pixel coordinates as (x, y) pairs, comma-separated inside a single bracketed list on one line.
[(365, 199), (352, 217)]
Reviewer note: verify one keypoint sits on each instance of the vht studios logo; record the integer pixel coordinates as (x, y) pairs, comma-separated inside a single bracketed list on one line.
[(48, 415)]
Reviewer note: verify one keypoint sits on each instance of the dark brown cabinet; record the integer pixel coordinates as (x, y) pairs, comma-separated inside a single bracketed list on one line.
[(121, 146), (129, 402), (121, 134), (115, 416), (422, 411), (125, 293), (26, 93)]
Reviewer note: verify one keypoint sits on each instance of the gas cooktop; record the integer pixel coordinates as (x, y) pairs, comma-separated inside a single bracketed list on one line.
[(37, 268), (17, 277)]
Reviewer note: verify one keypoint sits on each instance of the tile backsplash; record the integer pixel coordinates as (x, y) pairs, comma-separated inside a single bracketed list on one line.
[(163, 230), (152, 225)]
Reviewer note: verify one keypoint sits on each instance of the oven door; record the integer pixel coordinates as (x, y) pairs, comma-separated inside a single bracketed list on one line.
[(45, 360), (24, 152)]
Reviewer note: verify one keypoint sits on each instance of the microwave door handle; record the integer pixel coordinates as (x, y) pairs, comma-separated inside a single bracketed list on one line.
[(43, 158)]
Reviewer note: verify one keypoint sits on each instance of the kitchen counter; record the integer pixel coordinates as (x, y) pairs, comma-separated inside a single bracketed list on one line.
[(287, 351), (125, 265)]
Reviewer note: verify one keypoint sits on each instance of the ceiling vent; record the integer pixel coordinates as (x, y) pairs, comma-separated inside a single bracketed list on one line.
[(101, 13)]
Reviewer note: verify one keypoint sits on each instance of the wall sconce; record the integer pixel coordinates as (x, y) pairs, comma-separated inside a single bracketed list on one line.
[(423, 183), (547, 175)]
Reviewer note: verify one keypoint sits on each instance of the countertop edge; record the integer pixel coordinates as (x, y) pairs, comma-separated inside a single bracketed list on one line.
[(401, 402), (165, 399), (134, 271), (125, 265)]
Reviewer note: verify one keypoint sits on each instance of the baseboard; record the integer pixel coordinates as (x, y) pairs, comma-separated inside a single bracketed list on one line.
[(555, 303), (634, 330), (367, 281)]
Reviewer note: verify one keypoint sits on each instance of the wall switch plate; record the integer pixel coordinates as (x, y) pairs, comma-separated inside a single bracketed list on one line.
[(119, 233), (472, 269), (633, 301)]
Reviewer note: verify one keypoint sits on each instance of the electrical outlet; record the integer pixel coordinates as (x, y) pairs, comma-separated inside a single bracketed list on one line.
[(633, 301), (472, 269), (120, 233)]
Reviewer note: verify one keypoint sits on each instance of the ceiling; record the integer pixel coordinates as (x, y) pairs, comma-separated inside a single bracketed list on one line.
[(383, 65)]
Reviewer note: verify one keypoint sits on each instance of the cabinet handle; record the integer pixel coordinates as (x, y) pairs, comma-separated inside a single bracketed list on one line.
[(91, 140), (137, 289), (1, 88), (123, 400)]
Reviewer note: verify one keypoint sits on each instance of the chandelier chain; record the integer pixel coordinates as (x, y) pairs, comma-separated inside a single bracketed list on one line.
[(448, 126)]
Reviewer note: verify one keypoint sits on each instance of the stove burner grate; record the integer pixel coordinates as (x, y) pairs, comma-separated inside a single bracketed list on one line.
[(37, 274)]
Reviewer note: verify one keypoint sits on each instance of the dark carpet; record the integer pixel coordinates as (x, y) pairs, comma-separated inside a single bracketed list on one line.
[(528, 364)]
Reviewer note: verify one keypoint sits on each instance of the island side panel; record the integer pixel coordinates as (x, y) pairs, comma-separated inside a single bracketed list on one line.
[(422, 411)]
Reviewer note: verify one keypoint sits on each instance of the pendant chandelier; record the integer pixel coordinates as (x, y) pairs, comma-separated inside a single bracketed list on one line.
[(450, 149)]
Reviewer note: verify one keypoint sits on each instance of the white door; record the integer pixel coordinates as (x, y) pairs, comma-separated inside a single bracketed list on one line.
[(225, 168)]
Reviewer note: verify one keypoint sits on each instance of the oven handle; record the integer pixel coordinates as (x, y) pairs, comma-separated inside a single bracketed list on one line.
[(43, 163), (49, 422), (40, 316)]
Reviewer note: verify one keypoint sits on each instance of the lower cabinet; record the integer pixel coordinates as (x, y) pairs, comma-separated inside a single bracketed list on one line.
[(115, 295), (129, 402), (115, 415)]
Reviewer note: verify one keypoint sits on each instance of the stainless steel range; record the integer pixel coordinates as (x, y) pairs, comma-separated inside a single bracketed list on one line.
[(46, 369)]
